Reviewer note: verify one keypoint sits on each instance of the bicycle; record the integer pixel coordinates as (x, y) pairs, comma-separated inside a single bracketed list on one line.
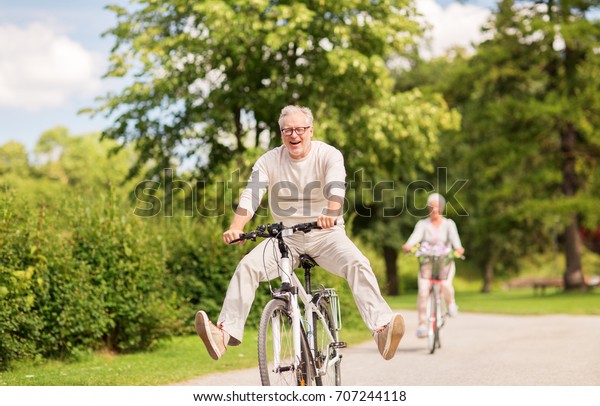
[(296, 349), (433, 265)]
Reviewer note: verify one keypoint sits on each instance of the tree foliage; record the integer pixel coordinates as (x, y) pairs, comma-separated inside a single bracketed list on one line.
[(210, 77), (83, 161), (209, 80), (530, 141)]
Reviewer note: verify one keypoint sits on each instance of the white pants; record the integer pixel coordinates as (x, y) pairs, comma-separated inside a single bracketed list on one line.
[(423, 296), (334, 252)]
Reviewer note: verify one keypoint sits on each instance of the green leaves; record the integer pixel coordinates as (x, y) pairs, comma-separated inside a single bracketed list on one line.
[(217, 73), (521, 96), (97, 279)]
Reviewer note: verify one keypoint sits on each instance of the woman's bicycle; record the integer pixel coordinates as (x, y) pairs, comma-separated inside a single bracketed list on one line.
[(297, 347), (434, 265)]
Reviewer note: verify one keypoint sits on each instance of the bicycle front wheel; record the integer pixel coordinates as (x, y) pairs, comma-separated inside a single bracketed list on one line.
[(276, 349), (433, 312), (325, 353)]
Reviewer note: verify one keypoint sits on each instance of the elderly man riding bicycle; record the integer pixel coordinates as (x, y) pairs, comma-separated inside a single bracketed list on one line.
[(306, 182)]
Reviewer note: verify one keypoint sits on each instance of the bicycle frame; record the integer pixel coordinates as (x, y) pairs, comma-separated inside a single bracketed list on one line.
[(292, 289), (438, 257), (435, 286), (433, 268), (320, 356)]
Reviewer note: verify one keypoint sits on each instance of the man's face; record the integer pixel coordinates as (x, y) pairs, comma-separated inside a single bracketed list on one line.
[(298, 146)]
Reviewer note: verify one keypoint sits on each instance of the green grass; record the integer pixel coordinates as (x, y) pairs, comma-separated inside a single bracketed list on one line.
[(172, 361), (518, 302), (183, 358), (176, 360)]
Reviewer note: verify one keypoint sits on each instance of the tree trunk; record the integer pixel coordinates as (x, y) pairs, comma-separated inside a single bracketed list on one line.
[(488, 277), (573, 276), (239, 130), (390, 255)]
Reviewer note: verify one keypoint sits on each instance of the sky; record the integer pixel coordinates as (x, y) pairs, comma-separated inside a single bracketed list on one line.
[(53, 56)]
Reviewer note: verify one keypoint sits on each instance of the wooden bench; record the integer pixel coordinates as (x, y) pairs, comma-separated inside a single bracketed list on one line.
[(543, 283), (538, 284)]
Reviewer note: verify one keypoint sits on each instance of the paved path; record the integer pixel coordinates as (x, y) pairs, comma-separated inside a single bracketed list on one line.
[(477, 349)]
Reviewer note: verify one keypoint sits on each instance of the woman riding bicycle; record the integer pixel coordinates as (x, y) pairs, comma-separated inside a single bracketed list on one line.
[(435, 230), (306, 182)]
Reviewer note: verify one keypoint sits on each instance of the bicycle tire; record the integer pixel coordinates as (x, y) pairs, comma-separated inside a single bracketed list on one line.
[(442, 317), (333, 377), (276, 315), (432, 321)]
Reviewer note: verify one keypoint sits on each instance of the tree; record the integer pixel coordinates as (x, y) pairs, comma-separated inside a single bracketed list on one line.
[(210, 77), (530, 117), (14, 159), (392, 145), (209, 80), (81, 162)]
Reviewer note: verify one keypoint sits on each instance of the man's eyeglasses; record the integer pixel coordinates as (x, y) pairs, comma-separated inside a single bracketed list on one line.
[(289, 131)]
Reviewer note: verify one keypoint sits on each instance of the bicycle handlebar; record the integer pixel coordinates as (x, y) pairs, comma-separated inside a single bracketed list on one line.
[(274, 230), (451, 256)]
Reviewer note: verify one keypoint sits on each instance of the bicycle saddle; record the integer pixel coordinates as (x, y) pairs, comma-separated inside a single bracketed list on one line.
[(306, 261)]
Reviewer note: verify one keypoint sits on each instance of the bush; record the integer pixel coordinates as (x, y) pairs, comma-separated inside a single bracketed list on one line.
[(201, 265), (74, 314), (19, 326), (79, 279), (128, 273)]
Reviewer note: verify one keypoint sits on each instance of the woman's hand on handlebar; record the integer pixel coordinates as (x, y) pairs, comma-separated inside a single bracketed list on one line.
[(232, 234), (459, 253)]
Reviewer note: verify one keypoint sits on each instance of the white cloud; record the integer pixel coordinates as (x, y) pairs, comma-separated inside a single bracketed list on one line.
[(455, 25), (41, 67)]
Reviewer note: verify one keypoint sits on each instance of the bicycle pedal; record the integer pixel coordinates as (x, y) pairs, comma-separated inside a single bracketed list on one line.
[(339, 344)]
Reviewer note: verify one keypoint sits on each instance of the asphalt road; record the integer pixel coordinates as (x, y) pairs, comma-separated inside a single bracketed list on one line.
[(477, 349)]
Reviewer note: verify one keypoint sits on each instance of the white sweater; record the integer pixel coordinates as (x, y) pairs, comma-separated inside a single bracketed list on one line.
[(446, 233), (298, 188)]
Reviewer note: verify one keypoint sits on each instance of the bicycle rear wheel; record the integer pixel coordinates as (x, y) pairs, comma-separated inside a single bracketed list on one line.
[(276, 349), (433, 315), (324, 352)]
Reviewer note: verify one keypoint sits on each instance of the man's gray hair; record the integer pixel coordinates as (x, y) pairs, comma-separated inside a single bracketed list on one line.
[(291, 109), (439, 198)]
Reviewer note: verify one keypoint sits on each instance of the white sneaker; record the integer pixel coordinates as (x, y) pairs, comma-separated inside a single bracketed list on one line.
[(422, 331), (453, 310)]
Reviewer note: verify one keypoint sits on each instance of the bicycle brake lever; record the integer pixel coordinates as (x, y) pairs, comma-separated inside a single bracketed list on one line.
[(244, 237)]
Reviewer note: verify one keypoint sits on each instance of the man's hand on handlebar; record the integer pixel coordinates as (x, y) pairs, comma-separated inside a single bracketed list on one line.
[(326, 221), (232, 234)]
